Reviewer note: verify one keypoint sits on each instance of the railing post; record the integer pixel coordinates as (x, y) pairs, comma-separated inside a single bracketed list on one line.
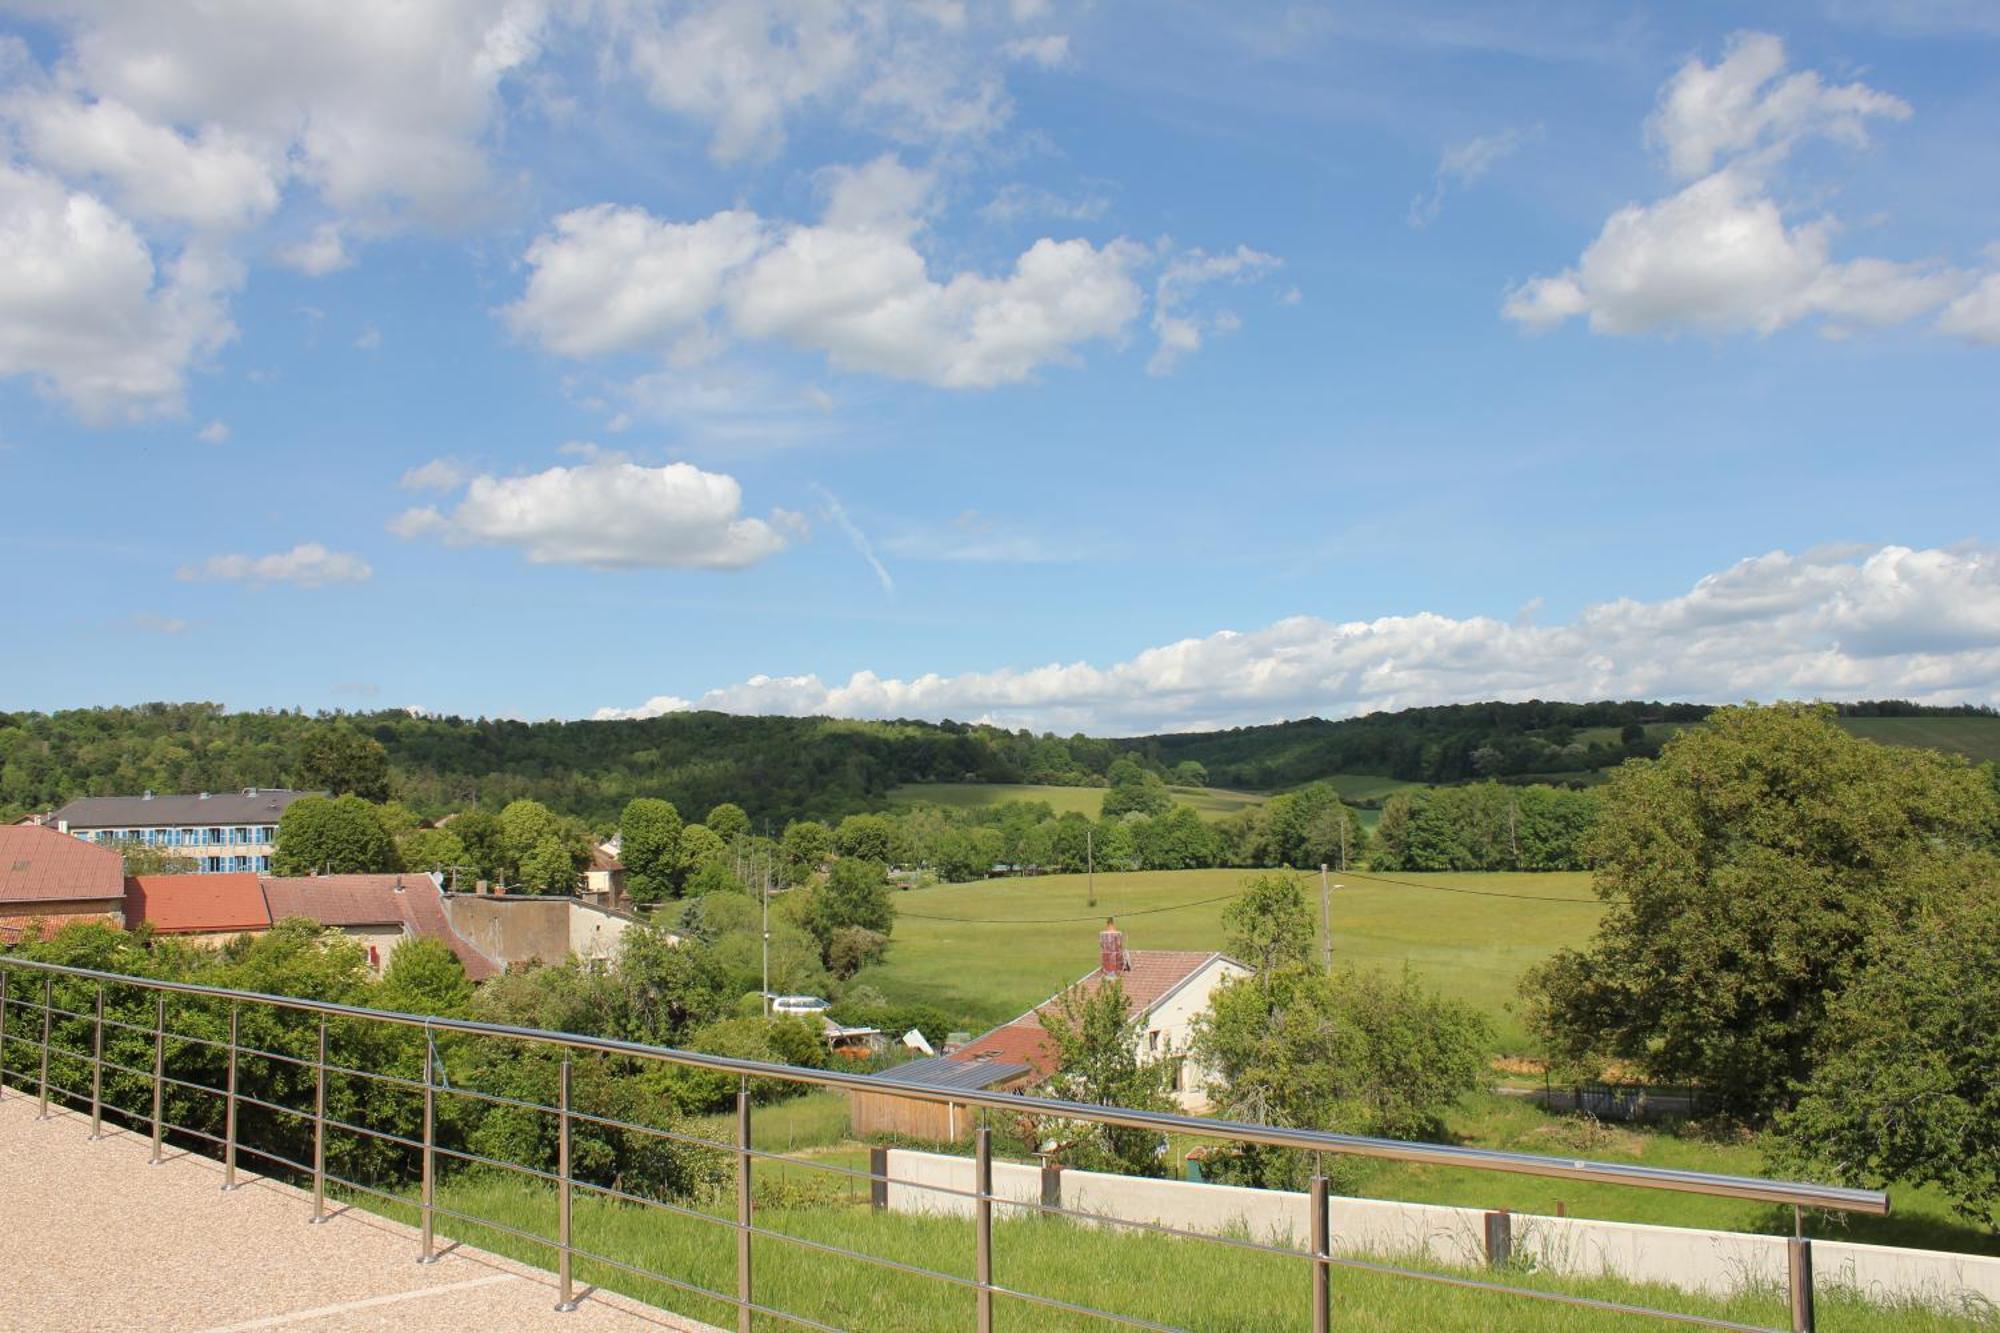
[(429, 1196), (567, 1300), (97, 1069), (982, 1186), (48, 1035), (1798, 1271), (1322, 1249), (229, 1106), (1499, 1238), (319, 1129), (159, 1073), (6, 986), (743, 1214), (878, 1177)]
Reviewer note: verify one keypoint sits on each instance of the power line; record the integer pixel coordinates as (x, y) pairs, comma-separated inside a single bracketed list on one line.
[(1477, 893)]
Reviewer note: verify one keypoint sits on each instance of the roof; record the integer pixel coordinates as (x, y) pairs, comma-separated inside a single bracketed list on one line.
[(411, 901), (196, 904), (252, 805), (40, 865), (946, 1072), (604, 858), (1152, 976)]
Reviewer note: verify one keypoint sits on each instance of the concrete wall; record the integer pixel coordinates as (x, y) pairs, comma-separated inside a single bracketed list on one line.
[(523, 928), (1717, 1262)]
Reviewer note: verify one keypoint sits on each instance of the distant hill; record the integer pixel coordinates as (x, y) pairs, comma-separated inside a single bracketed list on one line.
[(781, 768)]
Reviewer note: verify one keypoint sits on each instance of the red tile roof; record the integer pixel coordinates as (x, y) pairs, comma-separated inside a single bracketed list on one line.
[(1151, 975), (196, 904), (40, 865), (409, 900)]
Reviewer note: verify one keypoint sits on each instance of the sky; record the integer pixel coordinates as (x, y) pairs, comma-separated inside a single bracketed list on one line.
[(1113, 367)]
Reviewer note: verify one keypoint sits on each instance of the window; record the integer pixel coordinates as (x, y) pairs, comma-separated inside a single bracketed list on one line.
[(263, 863), (211, 864), (1153, 1042)]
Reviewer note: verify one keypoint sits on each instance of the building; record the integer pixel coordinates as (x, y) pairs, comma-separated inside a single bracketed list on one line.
[(520, 928), (220, 832), (201, 909), (886, 1112), (49, 880), (379, 912), (604, 881), (1167, 989)]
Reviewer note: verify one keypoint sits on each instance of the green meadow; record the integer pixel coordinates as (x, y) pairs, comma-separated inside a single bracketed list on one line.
[(994, 948), (1209, 802)]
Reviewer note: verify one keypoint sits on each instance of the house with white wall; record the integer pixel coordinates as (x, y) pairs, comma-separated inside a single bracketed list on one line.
[(1166, 990)]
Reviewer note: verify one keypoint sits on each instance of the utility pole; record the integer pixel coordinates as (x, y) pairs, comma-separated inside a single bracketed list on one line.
[(1090, 861), (1325, 918), (765, 882), (1343, 840)]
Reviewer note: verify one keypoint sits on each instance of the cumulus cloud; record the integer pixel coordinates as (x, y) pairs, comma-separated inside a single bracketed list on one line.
[(1891, 622), (1464, 165), (1050, 50), (440, 474), (1975, 316), (88, 315), (1720, 255), (309, 565), (607, 513), (215, 432), (853, 286), (323, 252)]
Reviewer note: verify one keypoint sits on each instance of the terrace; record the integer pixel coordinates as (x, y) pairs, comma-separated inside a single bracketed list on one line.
[(97, 1066)]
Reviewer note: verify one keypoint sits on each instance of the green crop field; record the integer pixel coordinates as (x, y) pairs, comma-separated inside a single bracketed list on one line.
[(994, 948), (1977, 738), (1209, 802)]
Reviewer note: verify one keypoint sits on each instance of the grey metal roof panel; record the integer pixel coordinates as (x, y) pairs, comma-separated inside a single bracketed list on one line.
[(944, 1072), (228, 807)]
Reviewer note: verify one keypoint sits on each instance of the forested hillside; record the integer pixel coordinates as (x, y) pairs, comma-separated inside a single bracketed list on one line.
[(779, 768)]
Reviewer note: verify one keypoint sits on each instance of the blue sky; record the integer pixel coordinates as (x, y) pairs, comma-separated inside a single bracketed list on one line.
[(1101, 366)]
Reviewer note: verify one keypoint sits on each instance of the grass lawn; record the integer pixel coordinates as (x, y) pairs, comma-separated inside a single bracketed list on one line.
[(1209, 802), (1177, 1282), (997, 947)]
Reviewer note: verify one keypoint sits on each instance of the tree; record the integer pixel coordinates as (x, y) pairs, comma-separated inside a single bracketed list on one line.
[(1905, 1088), (866, 838), (143, 858), (523, 827), (806, 845), (1190, 773), (1270, 925), (1097, 1053), (649, 846), (433, 849), (855, 894), (548, 867), (701, 847), (425, 977), (485, 849), (340, 761), (728, 822), (854, 947), (318, 835), (1749, 872), (1135, 790), (1352, 1051)]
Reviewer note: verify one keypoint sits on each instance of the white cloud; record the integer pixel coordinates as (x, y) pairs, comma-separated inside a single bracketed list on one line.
[(1976, 315), (1892, 622), (308, 564), (1720, 256), (323, 252), (215, 432), (85, 312), (1463, 165), (1739, 105), (368, 339), (854, 286), (156, 624), (1179, 330), (1050, 51), (609, 513), (214, 179), (747, 68), (382, 107), (440, 474), (1016, 201)]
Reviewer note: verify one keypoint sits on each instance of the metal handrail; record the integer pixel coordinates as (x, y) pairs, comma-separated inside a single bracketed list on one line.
[(1318, 1252)]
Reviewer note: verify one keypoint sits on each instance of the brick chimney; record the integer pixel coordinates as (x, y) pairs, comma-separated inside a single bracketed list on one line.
[(1111, 955)]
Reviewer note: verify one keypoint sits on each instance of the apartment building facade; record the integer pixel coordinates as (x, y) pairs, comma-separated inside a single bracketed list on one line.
[(220, 832)]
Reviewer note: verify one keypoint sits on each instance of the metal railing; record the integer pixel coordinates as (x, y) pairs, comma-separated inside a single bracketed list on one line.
[(566, 1116)]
